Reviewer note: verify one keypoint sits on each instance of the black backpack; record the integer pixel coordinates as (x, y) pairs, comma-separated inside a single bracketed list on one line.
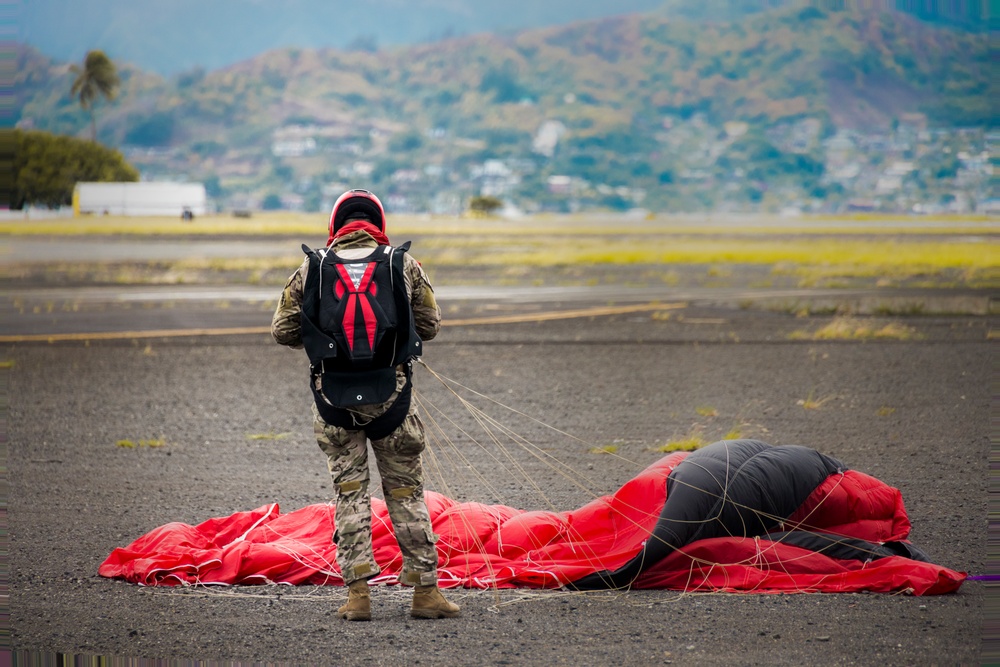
[(357, 327)]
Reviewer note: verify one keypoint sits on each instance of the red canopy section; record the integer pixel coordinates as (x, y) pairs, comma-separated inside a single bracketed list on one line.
[(484, 546)]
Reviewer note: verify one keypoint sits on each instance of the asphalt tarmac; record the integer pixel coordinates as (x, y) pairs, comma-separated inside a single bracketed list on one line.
[(230, 413)]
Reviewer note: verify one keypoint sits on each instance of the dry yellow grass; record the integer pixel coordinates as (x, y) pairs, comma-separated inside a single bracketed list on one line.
[(849, 328), (814, 249), (267, 436), (688, 444), (811, 402), (133, 444), (694, 439)]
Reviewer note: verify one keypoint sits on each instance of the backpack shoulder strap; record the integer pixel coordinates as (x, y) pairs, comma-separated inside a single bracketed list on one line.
[(318, 345), (408, 345)]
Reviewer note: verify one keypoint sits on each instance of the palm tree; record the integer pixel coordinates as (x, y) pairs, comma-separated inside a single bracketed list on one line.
[(98, 76)]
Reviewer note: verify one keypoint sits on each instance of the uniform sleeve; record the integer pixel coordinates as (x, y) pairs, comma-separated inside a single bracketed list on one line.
[(286, 325), (426, 312)]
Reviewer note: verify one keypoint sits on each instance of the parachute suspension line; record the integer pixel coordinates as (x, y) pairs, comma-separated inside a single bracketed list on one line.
[(326, 567), (555, 464), (447, 382), (520, 470), (530, 595), (552, 462), (567, 472), (564, 470), (436, 465), (489, 424), (319, 593), (430, 410), (485, 421), (537, 452), (725, 496)]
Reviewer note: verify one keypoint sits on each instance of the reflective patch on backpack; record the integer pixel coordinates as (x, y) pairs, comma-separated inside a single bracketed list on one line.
[(356, 272)]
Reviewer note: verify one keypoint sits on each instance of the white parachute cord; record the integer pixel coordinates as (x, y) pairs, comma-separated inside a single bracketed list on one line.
[(566, 471), (485, 421), (447, 382), (592, 557)]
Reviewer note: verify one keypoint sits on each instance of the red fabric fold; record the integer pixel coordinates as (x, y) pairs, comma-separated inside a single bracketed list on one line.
[(494, 545)]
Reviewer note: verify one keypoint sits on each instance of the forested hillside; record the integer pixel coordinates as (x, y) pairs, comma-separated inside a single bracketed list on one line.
[(635, 110)]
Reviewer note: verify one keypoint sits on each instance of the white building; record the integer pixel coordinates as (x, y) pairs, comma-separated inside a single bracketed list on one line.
[(143, 198)]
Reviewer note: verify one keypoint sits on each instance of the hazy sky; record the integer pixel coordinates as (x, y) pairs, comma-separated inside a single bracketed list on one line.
[(174, 35)]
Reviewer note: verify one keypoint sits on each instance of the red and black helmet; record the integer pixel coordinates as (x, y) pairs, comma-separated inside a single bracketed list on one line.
[(355, 204)]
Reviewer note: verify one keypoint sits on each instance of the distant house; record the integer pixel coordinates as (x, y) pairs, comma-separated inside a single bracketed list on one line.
[(901, 168), (862, 205), (559, 184), (845, 172), (293, 147), (989, 207), (143, 198), (292, 202), (888, 183), (735, 128), (405, 176)]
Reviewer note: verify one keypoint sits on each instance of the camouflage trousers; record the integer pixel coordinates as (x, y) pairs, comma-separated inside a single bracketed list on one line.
[(398, 459)]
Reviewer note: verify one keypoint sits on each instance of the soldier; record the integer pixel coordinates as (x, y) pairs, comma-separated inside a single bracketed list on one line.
[(361, 325)]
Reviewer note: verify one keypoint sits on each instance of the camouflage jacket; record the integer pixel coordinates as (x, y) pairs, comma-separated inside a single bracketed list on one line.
[(286, 327)]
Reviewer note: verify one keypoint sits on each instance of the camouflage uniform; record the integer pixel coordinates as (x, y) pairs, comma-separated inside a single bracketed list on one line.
[(397, 455)]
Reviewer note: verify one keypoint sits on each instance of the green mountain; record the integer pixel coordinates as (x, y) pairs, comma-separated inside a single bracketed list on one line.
[(600, 101)]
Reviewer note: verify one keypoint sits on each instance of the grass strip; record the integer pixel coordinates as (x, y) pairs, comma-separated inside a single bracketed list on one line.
[(314, 224)]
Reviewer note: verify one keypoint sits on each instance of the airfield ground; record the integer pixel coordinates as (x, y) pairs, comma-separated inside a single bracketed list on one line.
[(230, 414)]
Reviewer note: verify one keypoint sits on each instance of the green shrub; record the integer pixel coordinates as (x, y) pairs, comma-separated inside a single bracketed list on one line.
[(47, 167)]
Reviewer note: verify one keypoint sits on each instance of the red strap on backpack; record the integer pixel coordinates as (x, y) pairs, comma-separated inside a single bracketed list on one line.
[(359, 293)]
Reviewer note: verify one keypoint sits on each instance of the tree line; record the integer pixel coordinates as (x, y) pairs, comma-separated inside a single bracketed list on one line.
[(47, 167)]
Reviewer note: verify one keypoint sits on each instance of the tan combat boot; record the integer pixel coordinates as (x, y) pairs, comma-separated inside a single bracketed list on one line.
[(359, 604), (429, 603)]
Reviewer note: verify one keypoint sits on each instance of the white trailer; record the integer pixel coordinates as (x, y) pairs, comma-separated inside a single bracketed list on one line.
[(143, 198)]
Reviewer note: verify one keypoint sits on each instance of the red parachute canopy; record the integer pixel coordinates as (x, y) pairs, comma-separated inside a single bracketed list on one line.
[(847, 535)]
